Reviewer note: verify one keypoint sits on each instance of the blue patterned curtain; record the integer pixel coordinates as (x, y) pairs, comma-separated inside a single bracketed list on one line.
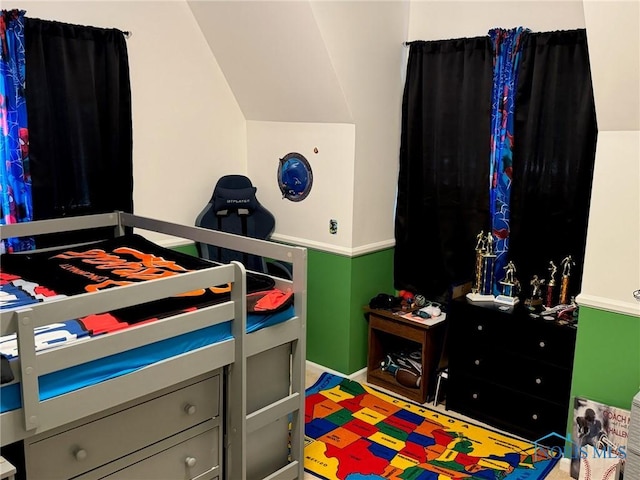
[(507, 51), (15, 179)]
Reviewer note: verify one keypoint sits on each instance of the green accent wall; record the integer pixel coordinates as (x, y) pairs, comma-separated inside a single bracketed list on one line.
[(189, 249), (606, 364), (337, 289)]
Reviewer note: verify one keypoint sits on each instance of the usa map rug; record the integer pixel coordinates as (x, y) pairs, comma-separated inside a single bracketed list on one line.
[(353, 432)]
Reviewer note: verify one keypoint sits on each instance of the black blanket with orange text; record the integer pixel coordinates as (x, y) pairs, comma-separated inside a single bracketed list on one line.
[(122, 261)]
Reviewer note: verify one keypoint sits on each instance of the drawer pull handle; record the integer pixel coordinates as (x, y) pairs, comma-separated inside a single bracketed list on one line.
[(542, 344), (534, 416), (190, 409), (475, 395), (190, 462), (480, 327), (80, 454), (538, 381), (477, 362)]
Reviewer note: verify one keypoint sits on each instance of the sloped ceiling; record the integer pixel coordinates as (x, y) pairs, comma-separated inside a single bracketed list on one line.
[(274, 58)]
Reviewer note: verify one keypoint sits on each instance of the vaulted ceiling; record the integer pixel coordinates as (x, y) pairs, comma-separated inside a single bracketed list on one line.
[(302, 61)]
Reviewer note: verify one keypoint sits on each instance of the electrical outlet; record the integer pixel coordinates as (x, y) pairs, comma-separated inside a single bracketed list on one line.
[(333, 226)]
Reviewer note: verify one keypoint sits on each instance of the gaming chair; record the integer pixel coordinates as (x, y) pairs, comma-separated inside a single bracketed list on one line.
[(234, 208)]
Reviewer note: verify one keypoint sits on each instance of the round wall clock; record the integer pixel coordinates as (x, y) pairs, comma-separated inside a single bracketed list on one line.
[(295, 177)]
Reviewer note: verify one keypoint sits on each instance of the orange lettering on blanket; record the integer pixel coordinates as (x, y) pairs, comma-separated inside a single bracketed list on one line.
[(150, 267), (84, 273)]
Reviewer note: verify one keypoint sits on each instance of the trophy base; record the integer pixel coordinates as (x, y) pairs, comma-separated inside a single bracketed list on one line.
[(534, 304), (506, 300), (478, 297)]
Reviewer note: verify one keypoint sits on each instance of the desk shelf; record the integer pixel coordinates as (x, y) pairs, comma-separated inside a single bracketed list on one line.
[(389, 332)]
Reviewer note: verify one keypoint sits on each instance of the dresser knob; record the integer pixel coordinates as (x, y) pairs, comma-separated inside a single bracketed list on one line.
[(190, 409), (542, 344), (538, 381), (477, 362), (534, 416), (190, 462), (80, 454), (479, 327), (475, 395)]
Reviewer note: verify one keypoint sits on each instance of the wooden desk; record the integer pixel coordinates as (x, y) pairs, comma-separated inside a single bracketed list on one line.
[(389, 332)]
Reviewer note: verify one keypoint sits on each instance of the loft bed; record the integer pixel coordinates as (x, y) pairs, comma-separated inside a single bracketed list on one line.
[(244, 370)]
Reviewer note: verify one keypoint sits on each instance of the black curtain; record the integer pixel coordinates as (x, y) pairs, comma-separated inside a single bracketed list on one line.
[(79, 114), (443, 184), (555, 136)]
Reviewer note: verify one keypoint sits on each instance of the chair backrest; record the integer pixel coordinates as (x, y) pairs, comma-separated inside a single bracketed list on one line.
[(234, 208)]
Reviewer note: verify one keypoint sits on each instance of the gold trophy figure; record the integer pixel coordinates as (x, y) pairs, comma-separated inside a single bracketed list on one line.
[(567, 263), (480, 243), (510, 286), (483, 278), (551, 285), (536, 293)]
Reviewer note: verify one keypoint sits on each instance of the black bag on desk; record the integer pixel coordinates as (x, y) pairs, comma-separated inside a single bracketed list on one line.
[(384, 301)]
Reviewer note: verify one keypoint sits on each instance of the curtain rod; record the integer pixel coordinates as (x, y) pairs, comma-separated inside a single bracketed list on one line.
[(126, 33)]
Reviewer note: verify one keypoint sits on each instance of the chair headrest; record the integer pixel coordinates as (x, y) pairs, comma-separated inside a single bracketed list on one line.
[(234, 193)]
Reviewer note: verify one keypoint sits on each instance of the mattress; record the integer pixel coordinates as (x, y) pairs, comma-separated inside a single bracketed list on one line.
[(79, 376), (39, 277)]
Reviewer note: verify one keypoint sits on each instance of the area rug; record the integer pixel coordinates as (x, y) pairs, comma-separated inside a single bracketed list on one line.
[(354, 432)]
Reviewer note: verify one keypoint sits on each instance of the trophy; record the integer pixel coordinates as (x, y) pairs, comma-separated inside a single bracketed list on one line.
[(510, 286), (567, 263), (536, 293), (551, 285), (483, 279)]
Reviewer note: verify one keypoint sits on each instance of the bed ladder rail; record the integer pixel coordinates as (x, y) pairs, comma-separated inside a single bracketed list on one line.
[(288, 472), (274, 336), (273, 412)]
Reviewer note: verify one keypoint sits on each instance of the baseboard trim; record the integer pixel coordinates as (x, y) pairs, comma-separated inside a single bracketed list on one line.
[(609, 304)]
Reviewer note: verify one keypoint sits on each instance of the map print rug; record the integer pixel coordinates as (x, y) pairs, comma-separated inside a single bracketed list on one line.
[(353, 432)]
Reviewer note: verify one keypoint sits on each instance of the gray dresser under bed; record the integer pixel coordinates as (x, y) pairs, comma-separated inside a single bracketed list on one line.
[(173, 434)]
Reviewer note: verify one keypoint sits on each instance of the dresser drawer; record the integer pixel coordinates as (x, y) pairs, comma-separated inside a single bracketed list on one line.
[(476, 331), (477, 328), (186, 460), (524, 374), (93, 444), (506, 409), (548, 343)]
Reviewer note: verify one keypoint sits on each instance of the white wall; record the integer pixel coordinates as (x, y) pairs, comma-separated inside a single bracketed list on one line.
[(612, 257), (439, 20), (365, 43), (274, 58), (187, 127), (306, 222)]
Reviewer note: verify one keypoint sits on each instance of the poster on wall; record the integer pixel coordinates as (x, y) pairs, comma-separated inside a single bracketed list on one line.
[(599, 434)]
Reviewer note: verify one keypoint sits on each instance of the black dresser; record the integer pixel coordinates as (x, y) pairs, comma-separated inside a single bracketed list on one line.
[(509, 370)]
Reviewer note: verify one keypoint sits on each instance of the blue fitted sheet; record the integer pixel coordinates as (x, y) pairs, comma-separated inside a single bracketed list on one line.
[(91, 373)]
